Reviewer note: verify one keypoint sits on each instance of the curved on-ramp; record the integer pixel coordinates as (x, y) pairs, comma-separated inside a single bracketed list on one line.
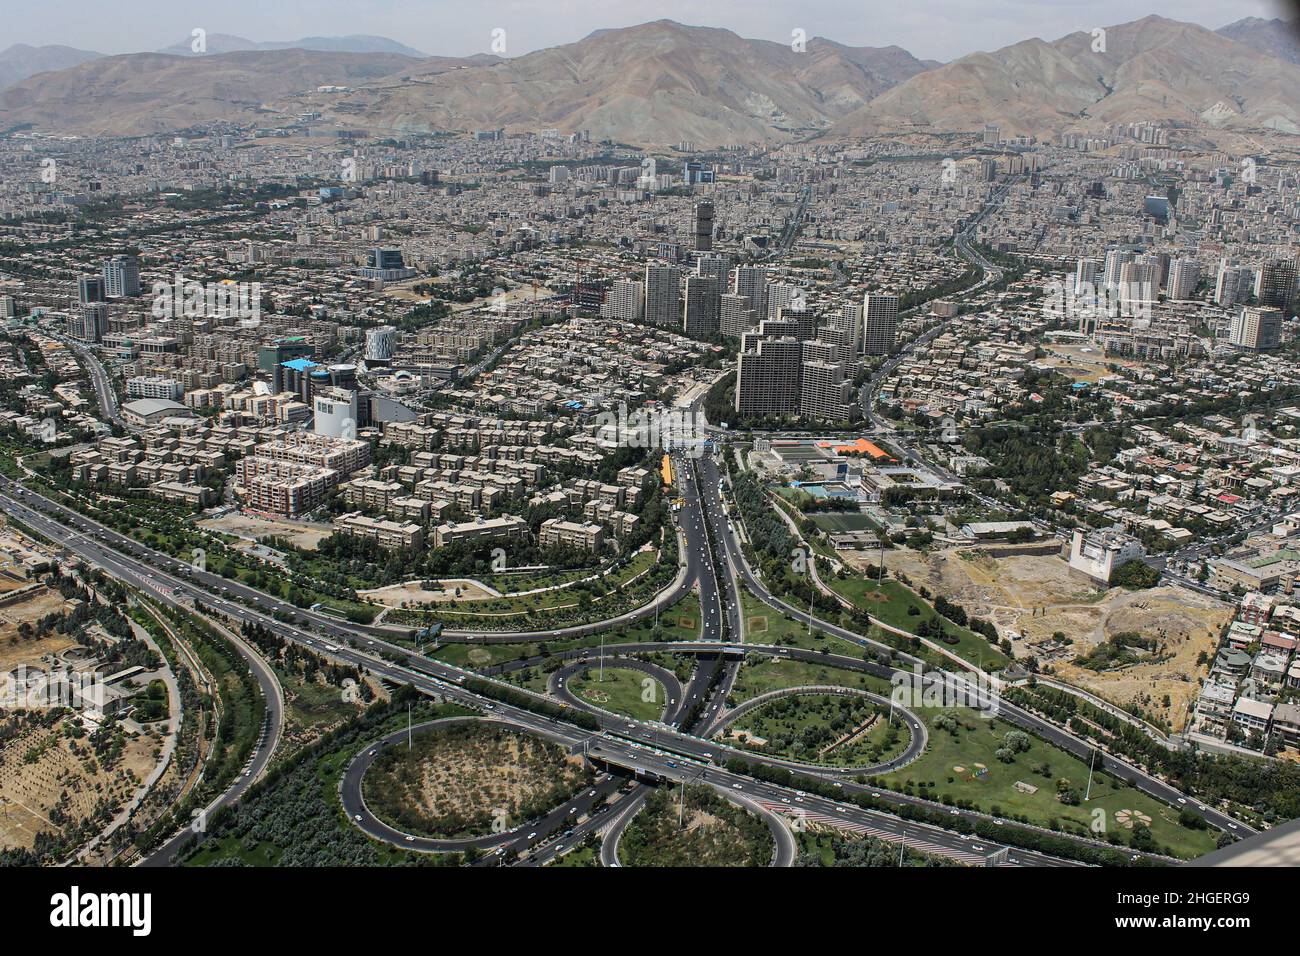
[(518, 838), (558, 685), (783, 844), (915, 726)]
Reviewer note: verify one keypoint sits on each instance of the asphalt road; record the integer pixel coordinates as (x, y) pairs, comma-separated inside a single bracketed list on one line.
[(514, 840), (915, 728), (637, 747), (640, 744), (674, 704)]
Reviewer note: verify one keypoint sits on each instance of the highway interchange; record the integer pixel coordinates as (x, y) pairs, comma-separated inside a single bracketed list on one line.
[(677, 748), (653, 751)]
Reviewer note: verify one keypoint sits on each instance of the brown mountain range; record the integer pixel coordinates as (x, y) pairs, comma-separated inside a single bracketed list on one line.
[(1152, 69), (663, 82)]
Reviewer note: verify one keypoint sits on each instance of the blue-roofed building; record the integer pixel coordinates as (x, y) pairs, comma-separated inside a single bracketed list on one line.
[(295, 376)]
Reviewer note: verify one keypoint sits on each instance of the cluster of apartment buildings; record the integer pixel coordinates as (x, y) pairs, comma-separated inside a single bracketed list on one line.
[(1251, 696)]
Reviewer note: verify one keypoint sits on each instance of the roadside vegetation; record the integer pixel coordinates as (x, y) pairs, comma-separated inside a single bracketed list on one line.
[(711, 832), (470, 779)]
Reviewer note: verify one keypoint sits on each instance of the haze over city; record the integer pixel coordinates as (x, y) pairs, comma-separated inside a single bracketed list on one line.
[(685, 440), (931, 29)]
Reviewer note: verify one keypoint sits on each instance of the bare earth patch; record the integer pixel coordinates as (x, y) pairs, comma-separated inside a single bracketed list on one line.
[(40, 772), (470, 779), (1032, 597), (411, 593), (302, 534)]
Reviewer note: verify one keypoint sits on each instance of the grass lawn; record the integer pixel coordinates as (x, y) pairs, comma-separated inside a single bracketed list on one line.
[(816, 844), (795, 496), (988, 784), (586, 855), (763, 625), (760, 675), (567, 596), (823, 730), (623, 691), (890, 601), (315, 705), (842, 521), (679, 623), (233, 847), (531, 678), (510, 582)]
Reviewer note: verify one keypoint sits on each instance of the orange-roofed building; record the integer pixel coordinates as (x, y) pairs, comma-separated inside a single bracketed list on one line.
[(859, 447)]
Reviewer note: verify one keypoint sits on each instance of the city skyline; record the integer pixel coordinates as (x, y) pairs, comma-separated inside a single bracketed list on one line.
[(682, 449)]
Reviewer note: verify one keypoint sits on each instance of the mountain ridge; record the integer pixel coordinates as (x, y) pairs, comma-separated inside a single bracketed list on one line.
[(21, 61), (352, 43), (663, 82)]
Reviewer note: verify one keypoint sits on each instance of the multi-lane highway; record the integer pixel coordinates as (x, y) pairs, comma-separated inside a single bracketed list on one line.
[(104, 393), (647, 750), (263, 750), (642, 748)]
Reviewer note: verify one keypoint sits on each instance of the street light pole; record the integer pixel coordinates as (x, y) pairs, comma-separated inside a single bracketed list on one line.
[(1088, 794)]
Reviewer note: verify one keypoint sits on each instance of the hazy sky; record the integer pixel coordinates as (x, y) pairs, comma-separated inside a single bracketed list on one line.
[(939, 29)]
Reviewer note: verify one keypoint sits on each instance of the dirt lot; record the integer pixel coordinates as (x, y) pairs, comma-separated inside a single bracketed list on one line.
[(301, 534), (410, 593), (11, 575), (14, 650), (523, 771), (1083, 363), (1036, 596), (1185, 622), (467, 779), (38, 768)]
